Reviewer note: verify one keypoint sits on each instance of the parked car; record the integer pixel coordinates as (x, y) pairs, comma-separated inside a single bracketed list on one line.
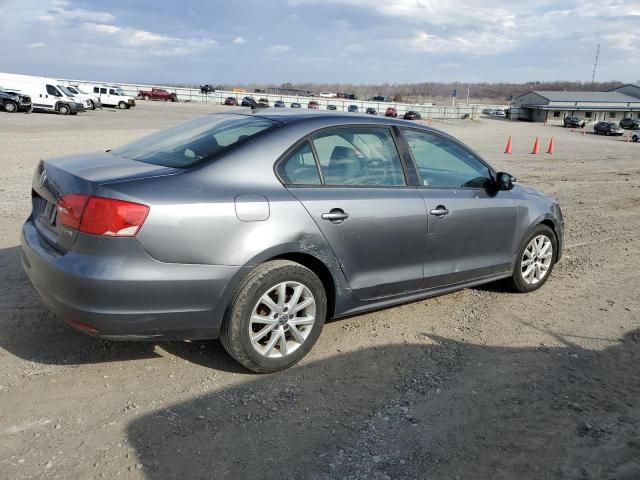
[(206, 89), (91, 101), (391, 112), (630, 123), (487, 111), (231, 101), (248, 102), (635, 136), (352, 108), (573, 122), (279, 104), (313, 105), (263, 102), (327, 95), (371, 111), (12, 102), (607, 128), (101, 248), (296, 105), (412, 115), (45, 93), (498, 112), (331, 107), (158, 94), (113, 96)]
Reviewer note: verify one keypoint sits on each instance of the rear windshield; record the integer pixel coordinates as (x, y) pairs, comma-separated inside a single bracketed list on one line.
[(195, 141)]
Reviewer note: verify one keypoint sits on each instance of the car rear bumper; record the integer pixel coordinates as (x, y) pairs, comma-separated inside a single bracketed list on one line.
[(124, 294)]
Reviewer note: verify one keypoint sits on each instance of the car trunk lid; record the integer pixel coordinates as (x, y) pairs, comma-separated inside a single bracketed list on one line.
[(79, 175)]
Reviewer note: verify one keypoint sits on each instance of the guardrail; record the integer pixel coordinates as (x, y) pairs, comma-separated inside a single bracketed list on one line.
[(185, 94)]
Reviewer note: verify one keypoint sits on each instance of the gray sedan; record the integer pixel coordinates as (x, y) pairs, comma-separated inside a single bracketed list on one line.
[(257, 228)]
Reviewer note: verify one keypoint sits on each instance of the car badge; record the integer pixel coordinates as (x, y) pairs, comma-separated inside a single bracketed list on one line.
[(43, 177)]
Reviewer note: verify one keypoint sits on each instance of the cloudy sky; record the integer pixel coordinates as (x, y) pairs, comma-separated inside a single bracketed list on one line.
[(354, 41)]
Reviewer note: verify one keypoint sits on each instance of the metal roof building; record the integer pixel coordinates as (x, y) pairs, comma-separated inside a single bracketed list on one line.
[(553, 106)]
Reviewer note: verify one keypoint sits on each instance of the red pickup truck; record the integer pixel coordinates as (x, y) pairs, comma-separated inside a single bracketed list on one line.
[(158, 94)]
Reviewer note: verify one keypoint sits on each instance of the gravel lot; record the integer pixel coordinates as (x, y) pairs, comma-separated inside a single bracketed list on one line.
[(481, 383)]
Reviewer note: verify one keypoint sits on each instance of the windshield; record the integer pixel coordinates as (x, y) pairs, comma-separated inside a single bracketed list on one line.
[(195, 141), (65, 90), (119, 92)]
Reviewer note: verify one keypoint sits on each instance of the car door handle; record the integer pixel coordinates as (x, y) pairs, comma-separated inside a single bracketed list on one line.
[(440, 211), (336, 215)]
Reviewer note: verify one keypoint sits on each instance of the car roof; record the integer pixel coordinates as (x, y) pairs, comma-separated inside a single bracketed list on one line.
[(330, 117)]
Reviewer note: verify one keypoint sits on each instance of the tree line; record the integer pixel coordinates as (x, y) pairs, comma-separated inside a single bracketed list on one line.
[(424, 91)]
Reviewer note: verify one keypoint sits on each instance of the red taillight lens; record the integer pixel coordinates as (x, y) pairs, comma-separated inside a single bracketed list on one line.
[(101, 216), (106, 216), (70, 208)]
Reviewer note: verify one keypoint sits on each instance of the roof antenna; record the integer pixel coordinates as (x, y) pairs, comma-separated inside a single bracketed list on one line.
[(595, 65)]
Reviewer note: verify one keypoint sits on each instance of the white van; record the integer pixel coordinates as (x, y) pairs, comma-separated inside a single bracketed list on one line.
[(113, 96), (91, 101), (45, 93)]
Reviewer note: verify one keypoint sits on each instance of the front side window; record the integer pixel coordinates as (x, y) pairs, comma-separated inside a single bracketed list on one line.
[(112, 92), (444, 164), (300, 167), (51, 90), (198, 140), (362, 156)]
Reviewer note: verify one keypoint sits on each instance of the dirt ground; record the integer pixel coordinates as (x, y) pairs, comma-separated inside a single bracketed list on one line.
[(479, 384)]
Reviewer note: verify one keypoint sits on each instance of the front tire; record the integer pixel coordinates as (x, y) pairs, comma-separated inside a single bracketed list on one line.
[(635, 138), (93, 105), (275, 317), (537, 255), (10, 107), (64, 110), (122, 105)]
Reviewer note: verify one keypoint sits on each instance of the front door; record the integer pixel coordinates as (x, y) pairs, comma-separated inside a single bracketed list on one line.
[(471, 224), (352, 183)]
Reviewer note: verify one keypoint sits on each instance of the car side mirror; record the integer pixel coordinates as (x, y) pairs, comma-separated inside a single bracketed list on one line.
[(505, 181)]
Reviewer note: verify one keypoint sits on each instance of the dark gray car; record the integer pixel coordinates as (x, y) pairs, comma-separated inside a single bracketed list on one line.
[(256, 228)]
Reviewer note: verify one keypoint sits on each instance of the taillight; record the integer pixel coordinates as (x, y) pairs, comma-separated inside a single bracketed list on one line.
[(70, 208), (101, 216)]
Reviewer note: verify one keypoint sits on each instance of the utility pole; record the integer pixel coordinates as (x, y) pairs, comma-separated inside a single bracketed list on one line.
[(595, 65), (467, 96)]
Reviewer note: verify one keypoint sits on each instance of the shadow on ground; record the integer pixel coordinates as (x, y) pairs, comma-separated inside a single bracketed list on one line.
[(29, 331), (439, 411)]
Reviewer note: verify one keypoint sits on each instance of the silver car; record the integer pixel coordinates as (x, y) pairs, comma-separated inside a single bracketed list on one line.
[(257, 228)]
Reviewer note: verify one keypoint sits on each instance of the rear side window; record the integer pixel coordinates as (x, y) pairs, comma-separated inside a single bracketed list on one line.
[(300, 167), (362, 156), (195, 141), (96, 90), (103, 90)]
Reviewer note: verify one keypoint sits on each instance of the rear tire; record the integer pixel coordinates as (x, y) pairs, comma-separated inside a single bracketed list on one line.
[(534, 262), (64, 110), (146, 97), (10, 107), (267, 339)]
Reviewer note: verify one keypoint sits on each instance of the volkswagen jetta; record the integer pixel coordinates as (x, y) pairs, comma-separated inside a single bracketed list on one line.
[(257, 228)]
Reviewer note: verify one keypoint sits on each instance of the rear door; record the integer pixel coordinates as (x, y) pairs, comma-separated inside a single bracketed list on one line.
[(471, 224), (351, 181)]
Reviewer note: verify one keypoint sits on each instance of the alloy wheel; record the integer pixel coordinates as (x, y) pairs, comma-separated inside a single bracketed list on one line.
[(536, 259), (282, 319)]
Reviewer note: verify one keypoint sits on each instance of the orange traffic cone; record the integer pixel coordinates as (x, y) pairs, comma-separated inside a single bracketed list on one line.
[(551, 146), (536, 147), (508, 148)]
